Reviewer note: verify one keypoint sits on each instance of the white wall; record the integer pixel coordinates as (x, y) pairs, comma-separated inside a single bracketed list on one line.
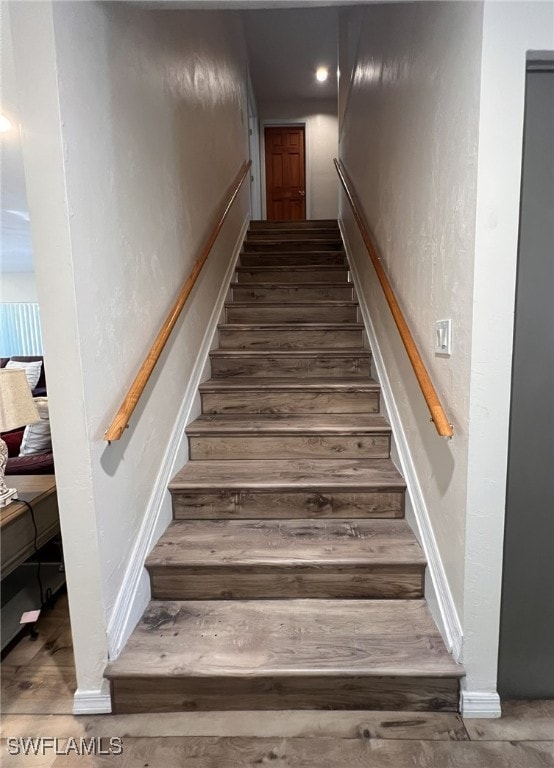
[(510, 30), (18, 286), (409, 143), (135, 124), (432, 137), (321, 122)]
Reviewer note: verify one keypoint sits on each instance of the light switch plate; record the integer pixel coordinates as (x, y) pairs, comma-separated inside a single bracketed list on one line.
[(443, 337)]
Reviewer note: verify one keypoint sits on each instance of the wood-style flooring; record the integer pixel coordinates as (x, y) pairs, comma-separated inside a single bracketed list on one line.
[(38, 682)]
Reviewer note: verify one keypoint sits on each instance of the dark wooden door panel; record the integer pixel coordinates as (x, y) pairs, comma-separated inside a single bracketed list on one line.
[(285, 173)]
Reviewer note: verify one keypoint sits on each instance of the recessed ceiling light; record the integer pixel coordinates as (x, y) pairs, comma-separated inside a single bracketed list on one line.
[(321, 74), (5, 124)]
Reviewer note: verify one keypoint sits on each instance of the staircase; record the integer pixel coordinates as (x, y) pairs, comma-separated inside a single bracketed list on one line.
[(288, 577)]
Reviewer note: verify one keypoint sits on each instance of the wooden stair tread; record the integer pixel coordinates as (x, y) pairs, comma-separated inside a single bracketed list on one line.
[(290, 383), (318, 241), (318, 232), (321, 475), (304, 223), (287, 326), (287, 543), (295, 235), (319, 352), (291, 267), (285, 638), (253, 286), (295, 423), (313, 303), (273, 258)]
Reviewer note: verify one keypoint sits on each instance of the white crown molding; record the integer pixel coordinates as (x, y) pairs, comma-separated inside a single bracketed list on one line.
[(449, 624), (134, 593)]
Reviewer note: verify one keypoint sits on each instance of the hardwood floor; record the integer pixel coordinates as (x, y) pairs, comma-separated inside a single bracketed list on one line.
[(38, 681)]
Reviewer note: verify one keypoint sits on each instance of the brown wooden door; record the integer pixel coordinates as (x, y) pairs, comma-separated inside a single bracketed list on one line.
[(285, 173)]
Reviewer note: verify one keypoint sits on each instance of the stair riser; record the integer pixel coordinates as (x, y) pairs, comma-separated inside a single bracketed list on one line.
[(292, 259), (254, 401), (290, 447), (289, 339), (276, 275), (169, 694), (254, 504), (266, 367), (260, 236), (267, 246), (363, 582), (288, 313), (303, 224), (294, 236), (293, 293)]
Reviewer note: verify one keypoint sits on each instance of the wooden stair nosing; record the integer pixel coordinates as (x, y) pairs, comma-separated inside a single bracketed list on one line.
[(321, 475), (293, 424), (304, 223), (283, 326), (290, 384), (304, 304), (346, 352)]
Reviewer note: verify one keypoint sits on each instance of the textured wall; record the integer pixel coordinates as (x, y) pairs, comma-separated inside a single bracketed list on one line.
[(152, 125), (409, 141), (321, 147), (510, 31)]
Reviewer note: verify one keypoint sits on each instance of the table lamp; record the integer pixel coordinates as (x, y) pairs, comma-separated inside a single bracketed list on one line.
[(17, 409)]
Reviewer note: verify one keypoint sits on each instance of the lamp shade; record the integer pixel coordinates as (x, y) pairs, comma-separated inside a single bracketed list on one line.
[(17, 408)]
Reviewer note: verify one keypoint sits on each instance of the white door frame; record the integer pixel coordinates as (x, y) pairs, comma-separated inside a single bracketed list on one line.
[(255, 156)]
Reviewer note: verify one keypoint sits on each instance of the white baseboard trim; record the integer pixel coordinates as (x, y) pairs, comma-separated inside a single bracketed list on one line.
[(92, 702), (480, 704), (451, 626), (135, 589)]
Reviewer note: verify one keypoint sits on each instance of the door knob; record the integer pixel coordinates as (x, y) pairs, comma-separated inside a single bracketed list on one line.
[(301, 192)]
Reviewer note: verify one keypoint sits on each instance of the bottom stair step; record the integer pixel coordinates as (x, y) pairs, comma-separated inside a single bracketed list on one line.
[(279, 654)]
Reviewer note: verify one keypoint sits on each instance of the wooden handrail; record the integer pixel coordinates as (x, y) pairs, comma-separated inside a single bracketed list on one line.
[(438, 415), (121, 418)]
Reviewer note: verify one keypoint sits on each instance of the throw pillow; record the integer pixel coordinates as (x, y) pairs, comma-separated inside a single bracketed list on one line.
[(32, 370), (37, 438), (13, 441)]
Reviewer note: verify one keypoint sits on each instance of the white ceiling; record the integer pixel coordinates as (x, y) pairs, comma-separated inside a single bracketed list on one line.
[(285, 48)]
